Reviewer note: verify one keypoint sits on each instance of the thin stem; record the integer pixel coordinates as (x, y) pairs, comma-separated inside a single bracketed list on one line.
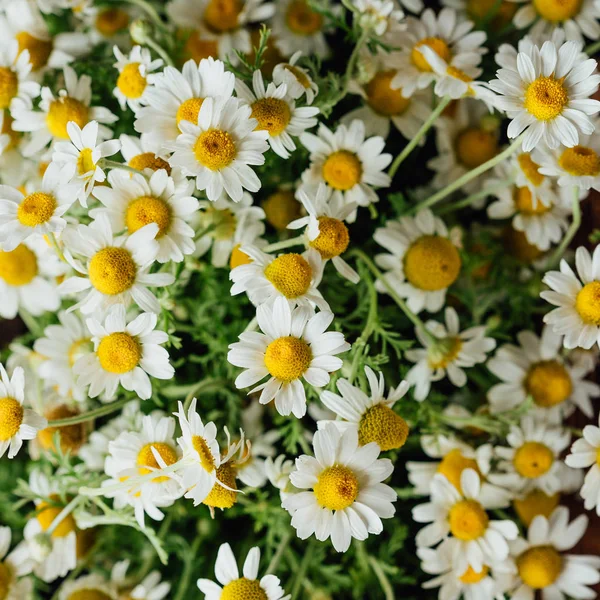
[(159, 50), (57, 249), (558, 253), (92, 414), (424, 129), (474, 197), (283, 544), (151, 12), (203, 386), (386, 586), (591, 49), (113, 164), (184, 583), (63, 514), (30, 322), (295, 241)]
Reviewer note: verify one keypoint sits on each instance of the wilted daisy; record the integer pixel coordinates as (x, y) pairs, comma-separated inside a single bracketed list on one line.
[(220, 148), (542, 566), (347, 498), (15, 83), (536, 368), (143, 154), (295, 345), (423, 261), (234, 586), (116, 270), (13, 566), (296, 78), (125, 353), (276, 113), (476, 538), (547, 95), (93, 586)]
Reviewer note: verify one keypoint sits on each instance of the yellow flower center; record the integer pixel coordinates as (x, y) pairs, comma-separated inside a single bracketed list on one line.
[(444, 352), (9, 84), (46, 513), (147, 462), (468, 520), (546, 97), (524, 203), (112, 270), (273, 115), (287, 358), (336, 488), (188, 110), (78, 348), (479, 9), (382, 425), (382, 98), (111, 20), (85, 163), (470, 576), (149, 160), (333, 238), (71, 437), (198, 48), (63, 110), (238, 257), (222, 15), (243, 589), (580, 161), (476, 146), (535, 503), (281, 208), (145, 210), (342, 170), (432, 263), (6, 578), (220, 497), (300, 75), (19, 266), (11, 417), (533, 460), (587, 303), (215, 149), (207, 460), (557, 10), (438, 45), (530, 169), (89, 594), (39, 50), (119, 352), (518, 247), (36, 209), (302, 19), (290, 275), (539, 566), (453, 464), (131, 82), (549, 383)]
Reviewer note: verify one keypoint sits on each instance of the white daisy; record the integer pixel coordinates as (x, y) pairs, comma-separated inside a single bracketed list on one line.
[(15, 81), (93, 585), (296, 78), (380, 16), (547, 95), (295, 345), (423, 261), (248, 586), (143, 154), (278, 473), (219, 150), (347, 498), (13, 566), (116, 270), (125, 353), (150, 588), (109, 23)]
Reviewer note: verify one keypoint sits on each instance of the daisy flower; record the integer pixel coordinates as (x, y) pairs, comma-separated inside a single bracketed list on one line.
[(15, 81), (372, 416), (219, 150), (297, 79), (476, 539), (281, 207), (547, 95), (295, 345), (325, 227), (142, 154), (423, 262), (380, 16), (532, 459), (109, 24), (134, 202), (125, 353), (150, 588), (276, 113), (278, 473), (93, 585), (12, 567), (536, 368), (577, 316), (116, 270), (136, 72), (50, 122), (344, 496), (542, 565), (480, 10), (81, 156), (248, 586), (177, 96), (348, 162), (449, 353)]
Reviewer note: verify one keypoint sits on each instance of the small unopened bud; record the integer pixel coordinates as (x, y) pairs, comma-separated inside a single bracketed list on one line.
[(140, 31)]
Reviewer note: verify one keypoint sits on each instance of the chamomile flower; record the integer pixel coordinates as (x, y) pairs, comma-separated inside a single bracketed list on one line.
[(542, 565), (13, 566), (536, 368), (295, 345), (219, 150), (278, 473), (527, 173), (109, 24), (150, 588), (380, 16), (125, 353), (346, 497), (448, 353), (15, 82), (348, 162), (116, 271), (93, 586), (143, 154), (136, 73), (423, 261), (547, 95), (177, 96), (81, 156), (233, 586), (134, 202), (481, 10), (577, 316), (297, 79)]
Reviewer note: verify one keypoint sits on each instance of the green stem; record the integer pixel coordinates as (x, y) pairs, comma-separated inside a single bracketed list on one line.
[(151, 12), (591, 49), (283, 544), (56, 247), (558, 253), (64, 513), (419, 135), (92, 414), (160, 51), (298, 579), (203, 386), (474, 197), (384, 582), (184, 583), (113, 164), (295, 241), (30, 322)]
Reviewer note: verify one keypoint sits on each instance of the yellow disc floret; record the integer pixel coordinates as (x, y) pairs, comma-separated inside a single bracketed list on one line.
[(342, 170), (468, 520), (149, 160), (112, 270), (432, 263), (302, 19), (535, 503), (19, 266), (382, 425), (530, 169), (281, 208), (453, 464), (580, 161), (299, 74), (526, 204), (545, 98), (36, 209), (273, 115), (145, 210), (9, 84), (188, 111), (219, 496), (78, 349), (587, 303), (557, 10), (207, 460), (119, 352), (215, 149), (470, 576), (287, 358), (72, 437), (147, 462), (39, 50), (111, 20), (131, 82), (11, 417), (197, 47), (63, 110), (222, 15), (533, 459), (336, 488), (443, 352), (549, 383), (46, 513), (85, 162), (438, 45), (89, 594), (539, 566), (290, 275), (382, 98), (333, 238), (476, 146), (6, 579), (243, 589)]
